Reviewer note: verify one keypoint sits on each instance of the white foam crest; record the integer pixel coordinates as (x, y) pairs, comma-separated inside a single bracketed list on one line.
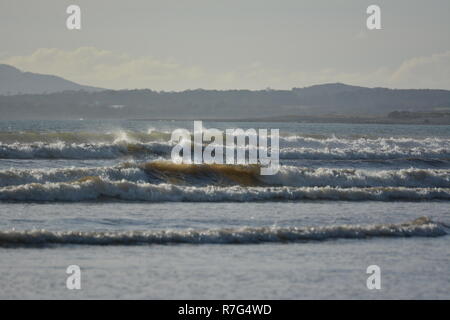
[(287, 176), (345, 178), (290, 148), (99, 189), (62, 150), (334, 141), (122, 136), (297, 147), (364, 152), (421, 227), (14, 177)]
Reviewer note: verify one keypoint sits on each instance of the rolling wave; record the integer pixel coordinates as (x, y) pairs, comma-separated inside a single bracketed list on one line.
[(364, 153), (85, 145), (422, 227), (62, 150), (305, 140), (98, 189), (227, 175), (346, 178)]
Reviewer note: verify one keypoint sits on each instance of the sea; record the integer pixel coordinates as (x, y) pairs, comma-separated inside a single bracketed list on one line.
[(105, 196)]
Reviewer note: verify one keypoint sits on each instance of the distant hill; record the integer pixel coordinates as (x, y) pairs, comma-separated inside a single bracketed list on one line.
[(13, 81), (343, 99), (65, 99)]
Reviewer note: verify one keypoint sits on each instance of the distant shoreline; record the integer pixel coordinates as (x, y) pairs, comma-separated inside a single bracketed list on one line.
[(317, 119)]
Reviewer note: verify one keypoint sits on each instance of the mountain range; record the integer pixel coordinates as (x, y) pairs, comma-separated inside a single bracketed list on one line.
[(24, 94)]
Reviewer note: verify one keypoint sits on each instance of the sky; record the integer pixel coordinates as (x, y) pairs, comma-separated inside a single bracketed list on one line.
[(230, 44)]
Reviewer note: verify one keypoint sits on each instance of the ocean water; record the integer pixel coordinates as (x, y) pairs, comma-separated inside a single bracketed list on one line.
[(103, 195)]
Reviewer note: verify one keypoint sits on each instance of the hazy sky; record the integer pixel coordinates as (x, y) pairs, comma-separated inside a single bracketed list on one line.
[(254, 44)]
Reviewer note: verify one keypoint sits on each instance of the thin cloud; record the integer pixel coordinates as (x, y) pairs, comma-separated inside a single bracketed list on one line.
[(103, 68)]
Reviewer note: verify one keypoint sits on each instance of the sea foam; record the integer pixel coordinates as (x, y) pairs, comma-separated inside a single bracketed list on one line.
[(422, 227), (165, 171), (122, 144), (97, 189)]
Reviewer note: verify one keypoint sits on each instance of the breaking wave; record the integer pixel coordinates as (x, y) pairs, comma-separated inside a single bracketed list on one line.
[(62, 150), (345, 178), (227, 175), (329, 148), (98, 189), (422, 227), (83, 145)]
